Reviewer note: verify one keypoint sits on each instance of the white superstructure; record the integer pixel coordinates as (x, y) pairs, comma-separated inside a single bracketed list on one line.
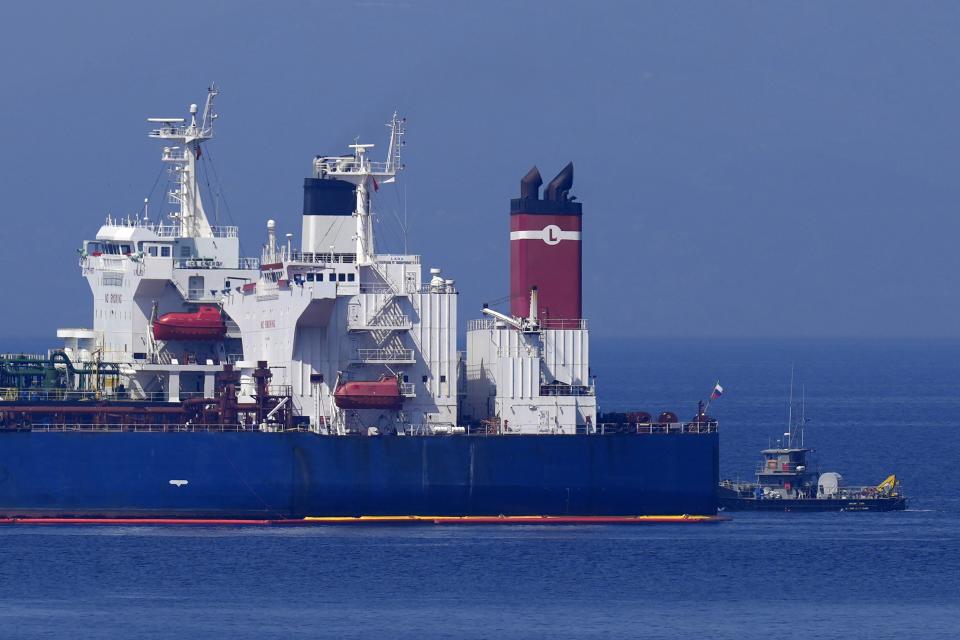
[(326, 314)]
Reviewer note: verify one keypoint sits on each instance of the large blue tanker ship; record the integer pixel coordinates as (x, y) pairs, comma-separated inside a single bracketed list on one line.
[(323, 382)]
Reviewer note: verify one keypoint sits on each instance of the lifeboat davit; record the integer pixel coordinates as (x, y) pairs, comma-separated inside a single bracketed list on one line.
[(206, 323), (369, 394)]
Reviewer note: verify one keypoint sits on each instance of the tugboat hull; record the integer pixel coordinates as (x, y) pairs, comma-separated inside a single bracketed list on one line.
[(729, 501), (752, 504)]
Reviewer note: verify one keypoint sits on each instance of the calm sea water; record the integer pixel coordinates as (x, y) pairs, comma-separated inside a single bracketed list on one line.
[(874, 408)]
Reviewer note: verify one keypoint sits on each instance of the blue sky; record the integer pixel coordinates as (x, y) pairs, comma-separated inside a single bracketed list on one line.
[(747, 169)]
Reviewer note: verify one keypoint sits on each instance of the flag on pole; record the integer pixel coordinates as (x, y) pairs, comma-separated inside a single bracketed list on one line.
[(376, 187), (717, 391)]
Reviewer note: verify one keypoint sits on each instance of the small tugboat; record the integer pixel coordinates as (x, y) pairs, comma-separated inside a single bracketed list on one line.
[(785, 483)]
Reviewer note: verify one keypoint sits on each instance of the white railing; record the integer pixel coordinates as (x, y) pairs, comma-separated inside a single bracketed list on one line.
[(408, 390), (322, 258), (518, 351), (197, 263), (397, 258), (563, 323), (12, 394), (249, 263), (384, 355), (121, 427), (338, 165), (642, 428), (545, 323), (22, 356), (479, 324), (226, 231), (430, 288), (377, 287), (566, 390), (172, 230)]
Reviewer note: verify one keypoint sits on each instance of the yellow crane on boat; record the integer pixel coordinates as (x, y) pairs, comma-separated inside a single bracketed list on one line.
[(889, 485)]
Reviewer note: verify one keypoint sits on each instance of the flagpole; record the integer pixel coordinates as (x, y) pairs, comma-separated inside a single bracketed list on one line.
[(710, 398)]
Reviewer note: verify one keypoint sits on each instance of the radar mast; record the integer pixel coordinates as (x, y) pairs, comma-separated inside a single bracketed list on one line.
[(182, 158), (359, 170)]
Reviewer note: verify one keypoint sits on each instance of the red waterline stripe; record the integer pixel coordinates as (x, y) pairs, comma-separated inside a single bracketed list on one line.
[(582, 520), (125, 521), (373, 521)]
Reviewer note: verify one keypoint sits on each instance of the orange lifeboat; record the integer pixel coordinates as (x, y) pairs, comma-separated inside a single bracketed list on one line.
[(370, 394), (206, 323)]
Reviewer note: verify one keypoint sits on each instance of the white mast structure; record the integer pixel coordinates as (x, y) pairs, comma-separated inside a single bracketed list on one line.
[(359, 170), (183, 158)]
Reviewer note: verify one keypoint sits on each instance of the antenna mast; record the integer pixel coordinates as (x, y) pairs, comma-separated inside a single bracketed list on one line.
[(803, 412), (790, 413), (361, 171), (183, 158)]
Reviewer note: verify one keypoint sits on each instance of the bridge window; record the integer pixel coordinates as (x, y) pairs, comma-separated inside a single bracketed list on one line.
[(333, 277), (350, 277), (341, 277), (165, 252)]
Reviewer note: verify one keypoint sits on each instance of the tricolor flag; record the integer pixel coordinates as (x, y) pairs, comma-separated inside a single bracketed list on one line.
[(717, 391)]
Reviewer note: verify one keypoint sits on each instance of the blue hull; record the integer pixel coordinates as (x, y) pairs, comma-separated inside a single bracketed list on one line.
[(300, 474)]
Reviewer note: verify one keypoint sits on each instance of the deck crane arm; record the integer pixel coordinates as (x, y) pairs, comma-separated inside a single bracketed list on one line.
[(888, 485)]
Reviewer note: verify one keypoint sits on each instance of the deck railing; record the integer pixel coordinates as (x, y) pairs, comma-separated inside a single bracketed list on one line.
[(384, 355), (605, 428), (13, 394), (172, 230), (156, 428), (322, 258), (545, 323), (435, 430), (566, 390)]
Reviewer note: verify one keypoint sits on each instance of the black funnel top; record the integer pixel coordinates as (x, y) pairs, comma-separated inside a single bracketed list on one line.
[(530, 184), (328, 197), (560, 186)]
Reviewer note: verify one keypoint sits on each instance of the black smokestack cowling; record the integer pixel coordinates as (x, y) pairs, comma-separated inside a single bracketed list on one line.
[(556, 197), (327, 197), (560, 186), (530, 184)]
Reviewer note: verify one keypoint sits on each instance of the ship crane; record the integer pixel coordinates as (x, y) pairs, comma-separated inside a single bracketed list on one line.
[(359, 170), (530, 324)]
